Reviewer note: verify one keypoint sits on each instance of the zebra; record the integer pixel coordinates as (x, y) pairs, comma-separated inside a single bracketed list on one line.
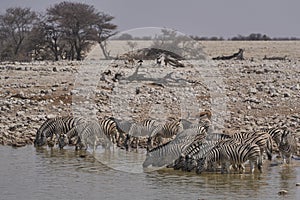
[(168, 130), (217, 137), (240, 153), (211, 159), (287, 146), (109, 128), (147, 129), (275, 133), (106, 126), (123, 128), (92, 133), (262, 139), (55, 127), (167, 153), (285, 141), (232, 155), (186, 161)]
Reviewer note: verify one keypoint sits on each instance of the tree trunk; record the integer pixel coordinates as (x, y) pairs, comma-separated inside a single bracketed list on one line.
[(104, 51)]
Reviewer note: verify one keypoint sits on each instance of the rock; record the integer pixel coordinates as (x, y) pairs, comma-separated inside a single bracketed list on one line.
[(286, 94), (252, 90), (282, 192), (20, 113)]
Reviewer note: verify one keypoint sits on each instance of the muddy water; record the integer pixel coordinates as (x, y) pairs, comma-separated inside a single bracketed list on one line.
[(29, 173)]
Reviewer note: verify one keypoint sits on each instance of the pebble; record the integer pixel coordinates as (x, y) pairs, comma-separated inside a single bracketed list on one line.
[(282, 192)]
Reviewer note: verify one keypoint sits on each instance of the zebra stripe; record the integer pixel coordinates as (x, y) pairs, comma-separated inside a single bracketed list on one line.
[(168, 130), (211, 160), (275, 133), (262, 139), (240, 153), (109, 128)]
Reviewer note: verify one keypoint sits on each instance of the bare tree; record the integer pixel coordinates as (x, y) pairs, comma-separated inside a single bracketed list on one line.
[(104, 30), (182, 45), (79, 24), (15, 25)]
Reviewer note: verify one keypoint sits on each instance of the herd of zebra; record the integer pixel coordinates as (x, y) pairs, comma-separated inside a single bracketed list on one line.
[(177, 144)]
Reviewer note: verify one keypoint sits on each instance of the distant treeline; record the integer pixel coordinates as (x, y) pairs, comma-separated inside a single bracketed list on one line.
[(251, 37)]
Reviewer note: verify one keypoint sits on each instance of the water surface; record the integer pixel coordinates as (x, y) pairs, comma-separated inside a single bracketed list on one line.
[(29, 173)]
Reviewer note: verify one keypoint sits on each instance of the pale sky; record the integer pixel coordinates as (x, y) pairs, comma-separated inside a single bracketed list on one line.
[(227, 18)]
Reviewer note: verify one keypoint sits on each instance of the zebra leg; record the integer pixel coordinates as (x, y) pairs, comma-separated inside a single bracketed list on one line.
[(137, 144), (242, 167), (288, 158), (251, 167), (259, 167), (225, 168), (283, 158)]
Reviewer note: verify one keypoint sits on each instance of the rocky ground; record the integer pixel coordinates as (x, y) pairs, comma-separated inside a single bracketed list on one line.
[(243, 95)]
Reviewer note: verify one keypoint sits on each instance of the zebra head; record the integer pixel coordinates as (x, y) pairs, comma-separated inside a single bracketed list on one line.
[(149, 160), (190, 163), (201, 165), (40, 139), (62, 140), (178, 164)]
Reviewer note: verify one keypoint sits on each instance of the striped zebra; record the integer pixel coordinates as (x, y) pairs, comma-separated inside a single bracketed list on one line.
[(217, 137), (167, 153), (187, 160), (109, 128), (123, 128), (228, 155), (275, 133), (287, 146), (106, 126), (262, 139), (211, 160), (147, 129), (54, 127), (91, 133), (168, 130), (285, 141)]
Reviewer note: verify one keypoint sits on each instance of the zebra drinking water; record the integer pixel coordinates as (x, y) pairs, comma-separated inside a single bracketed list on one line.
[(228, 155), (54, 127), (167, 153)]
